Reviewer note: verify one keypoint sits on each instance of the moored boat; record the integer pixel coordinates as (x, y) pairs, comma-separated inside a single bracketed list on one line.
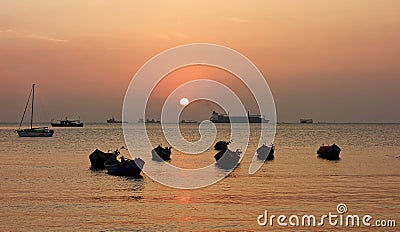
[(35, 132), (266, 153), (329, 152), (32, 131), (161, 153), (98, 158), (125, 167), (225, 158), (221, 145)]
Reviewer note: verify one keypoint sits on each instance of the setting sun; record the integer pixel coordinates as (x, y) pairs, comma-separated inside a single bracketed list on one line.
[(184, 101)]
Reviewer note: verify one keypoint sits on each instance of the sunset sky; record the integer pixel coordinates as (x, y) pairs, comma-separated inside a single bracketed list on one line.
[(333, 61)]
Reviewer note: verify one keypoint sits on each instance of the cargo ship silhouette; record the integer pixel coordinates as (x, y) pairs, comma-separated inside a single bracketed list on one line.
[(224, 118)]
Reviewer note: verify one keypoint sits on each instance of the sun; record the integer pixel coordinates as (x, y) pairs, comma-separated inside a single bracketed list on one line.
[(184, 101)]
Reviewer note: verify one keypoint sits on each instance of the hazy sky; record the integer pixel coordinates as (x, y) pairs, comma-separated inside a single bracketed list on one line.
[(333, 60)]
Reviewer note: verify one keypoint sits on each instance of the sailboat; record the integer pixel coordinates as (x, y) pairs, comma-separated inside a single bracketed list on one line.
[(33, 132)]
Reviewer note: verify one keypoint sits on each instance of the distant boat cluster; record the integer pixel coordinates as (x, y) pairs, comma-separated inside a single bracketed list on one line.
[(46, 132)]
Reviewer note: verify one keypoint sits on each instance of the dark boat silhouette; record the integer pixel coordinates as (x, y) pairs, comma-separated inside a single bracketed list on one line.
[(161, 153), (221, 146), (329, 152), (152, 121), (99, 158), (306, 121), (113, 120), (225, 158), (266, 153), (125, 167), (108, 160), (67, 123), (223, 118)]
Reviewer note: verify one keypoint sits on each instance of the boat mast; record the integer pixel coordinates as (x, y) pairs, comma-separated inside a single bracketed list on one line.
[(33, 98), (26, 107)]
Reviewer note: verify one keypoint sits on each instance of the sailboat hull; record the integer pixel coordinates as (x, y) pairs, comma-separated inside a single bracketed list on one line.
[(35, 133)]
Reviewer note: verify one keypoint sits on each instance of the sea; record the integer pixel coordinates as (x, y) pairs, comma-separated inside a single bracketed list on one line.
[(46, 183)]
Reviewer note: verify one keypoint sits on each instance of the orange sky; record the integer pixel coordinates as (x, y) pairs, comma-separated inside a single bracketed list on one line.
[(329, 60)]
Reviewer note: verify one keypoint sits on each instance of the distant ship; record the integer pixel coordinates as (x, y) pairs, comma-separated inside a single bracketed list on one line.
[(67, 123), (188, 121), (112, 120), (309, 120), (152, 121), (223, 118), (140, 120)]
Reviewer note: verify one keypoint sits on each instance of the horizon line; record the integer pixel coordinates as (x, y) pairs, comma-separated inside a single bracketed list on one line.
[(289, 122)]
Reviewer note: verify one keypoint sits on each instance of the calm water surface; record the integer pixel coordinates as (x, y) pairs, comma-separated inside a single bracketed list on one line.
[(46, 183)]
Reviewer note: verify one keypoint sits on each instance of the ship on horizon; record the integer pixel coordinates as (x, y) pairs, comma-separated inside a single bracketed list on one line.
[(188, 121), (113, 120), (224, 118), (306, 121), (152, 121), (67, 123)]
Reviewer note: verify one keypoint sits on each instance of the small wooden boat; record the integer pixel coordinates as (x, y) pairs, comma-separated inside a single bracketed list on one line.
[(33, 132), (99, 158), (221, 145), (329, 152), (126, 167), (227, 159), (266, 153), (161, 153)]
